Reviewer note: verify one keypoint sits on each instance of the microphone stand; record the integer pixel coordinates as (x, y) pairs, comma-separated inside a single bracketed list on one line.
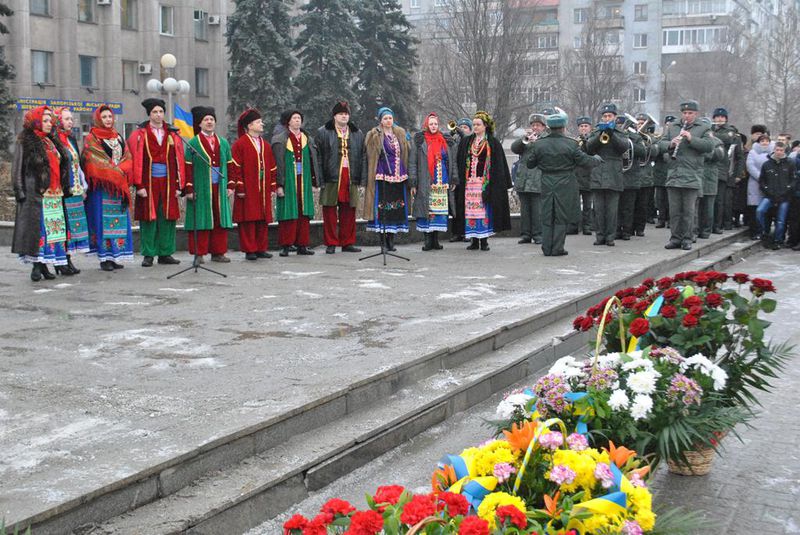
[(381, 200), (195, 263)]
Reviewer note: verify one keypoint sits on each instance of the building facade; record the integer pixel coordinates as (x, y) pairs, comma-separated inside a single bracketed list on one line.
[(89, 51)]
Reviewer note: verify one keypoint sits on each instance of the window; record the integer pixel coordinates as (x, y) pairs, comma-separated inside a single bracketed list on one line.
[(40, 7), (640, 12), (41, 67), (88, 71), (86, 10), (640, 67), (580, 15), (542, 68), (639, 95), (541, 94), (414, 4), (130, 14), (166, 24), (640, 40), (440, 3), (130, 71), (609, 12), (200, 27), (694, 7), (694, 36), (611, 37), (546, 40), (201, 81), (577, 42)]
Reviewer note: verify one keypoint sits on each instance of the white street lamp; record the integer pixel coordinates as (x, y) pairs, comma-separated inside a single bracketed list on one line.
[(170, 85)]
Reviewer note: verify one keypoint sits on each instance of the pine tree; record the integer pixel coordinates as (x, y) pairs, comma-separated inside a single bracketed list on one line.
[(329, 55), (261, 62), (6, 100), (386, 75)]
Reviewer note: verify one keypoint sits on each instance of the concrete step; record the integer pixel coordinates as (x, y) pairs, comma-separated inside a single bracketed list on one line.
[(239, 480)]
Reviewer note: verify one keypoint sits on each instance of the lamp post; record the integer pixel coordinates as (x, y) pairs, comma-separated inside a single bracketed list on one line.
[(664, 90), (170, 85)]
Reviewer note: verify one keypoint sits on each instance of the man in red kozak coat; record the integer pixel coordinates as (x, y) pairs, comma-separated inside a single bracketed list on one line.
[(159, 175), (254, 173)]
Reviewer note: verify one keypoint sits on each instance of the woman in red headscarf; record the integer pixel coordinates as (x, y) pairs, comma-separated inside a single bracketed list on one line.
[(107, 164), (431, 172), (78, 241), (40, 175)]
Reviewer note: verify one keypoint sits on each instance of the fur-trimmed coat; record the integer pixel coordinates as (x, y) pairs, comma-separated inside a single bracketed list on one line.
[(30, 176), (374, 145), (420, 176)]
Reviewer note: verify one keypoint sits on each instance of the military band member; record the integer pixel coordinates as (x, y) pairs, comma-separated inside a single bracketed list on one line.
[(606, 180), (584, 174), (630, 177), (644, 197), (660, 180), (729, 168), (557, 156), (686, 143), (528, 184), (706, 202)]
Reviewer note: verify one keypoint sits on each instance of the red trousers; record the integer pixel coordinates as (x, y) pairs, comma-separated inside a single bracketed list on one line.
[(213, 241), (346, 219), (253, 237), (294, 232)]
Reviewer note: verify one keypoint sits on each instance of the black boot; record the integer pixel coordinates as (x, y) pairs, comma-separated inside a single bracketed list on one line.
[(436, 244), (107, 265), (46, 272), (65, 271), (484, 244), (75, 270), (473, 245), (36, 272), (428, 242), (390, 242)]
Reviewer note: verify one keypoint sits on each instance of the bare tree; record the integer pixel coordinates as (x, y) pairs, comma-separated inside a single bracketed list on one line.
[(780, 85), (472, 55), (593, 73)]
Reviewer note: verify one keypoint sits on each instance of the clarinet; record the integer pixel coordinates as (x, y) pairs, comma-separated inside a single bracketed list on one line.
[(674, 153)]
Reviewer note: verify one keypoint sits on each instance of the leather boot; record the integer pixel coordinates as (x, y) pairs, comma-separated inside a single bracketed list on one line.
[(473, 245), (436, 244), (75, 270), (390, 242), (46, 272), (484, 244), (428, 242), (36, 272)]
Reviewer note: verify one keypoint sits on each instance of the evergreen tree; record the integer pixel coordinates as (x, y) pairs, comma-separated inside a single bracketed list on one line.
[(387, 67), (261, 62), (329, 55), (6, 100)]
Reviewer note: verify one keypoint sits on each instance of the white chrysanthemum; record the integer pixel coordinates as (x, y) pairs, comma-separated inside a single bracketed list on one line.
[(636, 354), (720, 378), (618, 400), (566, 366), (608, 361), (706, 367), (643, 382), (512, 402), (641, 406), (635, 364)]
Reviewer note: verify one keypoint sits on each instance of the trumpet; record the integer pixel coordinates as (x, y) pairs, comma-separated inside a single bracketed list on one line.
[(605, 137), (452, 126)]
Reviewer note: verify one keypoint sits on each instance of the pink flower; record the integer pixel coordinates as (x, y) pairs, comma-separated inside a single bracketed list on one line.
[(503, 471), (551, 440), (631, 527), (562, 475), (577, 442), (603, 473)]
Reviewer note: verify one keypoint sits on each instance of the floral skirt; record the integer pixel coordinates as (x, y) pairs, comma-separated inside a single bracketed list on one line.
[(110, 236), (78, 227), (52, 234), (480, 227), (433, 223), (391, 207)]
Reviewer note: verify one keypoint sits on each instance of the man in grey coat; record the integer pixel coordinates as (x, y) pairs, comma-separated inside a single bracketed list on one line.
[(686, 144), (528, 183)]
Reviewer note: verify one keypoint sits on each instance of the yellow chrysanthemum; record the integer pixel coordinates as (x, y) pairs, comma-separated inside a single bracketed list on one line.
[(495, 452), (582, 464), (641, 507), (598, 523), (646, 519), (498, 499)]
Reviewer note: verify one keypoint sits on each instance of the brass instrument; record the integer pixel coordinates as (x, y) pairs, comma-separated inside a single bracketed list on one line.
[(452, 126), (649, 139), (627, 156), (605, 137), (674, 153), (731, 161)]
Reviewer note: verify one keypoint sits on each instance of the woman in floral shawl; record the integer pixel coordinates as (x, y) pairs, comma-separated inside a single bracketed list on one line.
[(107, 164), (41, 180)]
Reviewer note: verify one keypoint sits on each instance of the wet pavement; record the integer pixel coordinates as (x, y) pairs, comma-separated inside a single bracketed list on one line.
[(105, 374), (754, 486)]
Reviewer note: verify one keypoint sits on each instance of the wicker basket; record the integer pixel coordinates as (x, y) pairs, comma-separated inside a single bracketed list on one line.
[(698, 463)]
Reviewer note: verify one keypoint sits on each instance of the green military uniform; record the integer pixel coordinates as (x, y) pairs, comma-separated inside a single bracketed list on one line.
[(685, 176), (584, 174), (660, 180), (631, 184), (726, 172), (606, 180), (557, 156), (528, 185), (706, 203)]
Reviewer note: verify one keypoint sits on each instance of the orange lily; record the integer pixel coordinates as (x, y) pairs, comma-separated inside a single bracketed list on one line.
[(641, 472), (443, 478), (551, 505), (619, 455), (520, 437)]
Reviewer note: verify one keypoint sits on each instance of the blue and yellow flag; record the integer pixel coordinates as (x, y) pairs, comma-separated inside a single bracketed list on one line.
[(183, 122)]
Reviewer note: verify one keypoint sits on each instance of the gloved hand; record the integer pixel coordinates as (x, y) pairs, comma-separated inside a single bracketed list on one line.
[(598, 158)]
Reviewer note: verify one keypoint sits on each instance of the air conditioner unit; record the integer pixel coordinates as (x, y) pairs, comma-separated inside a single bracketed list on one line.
[(199, 14), (103, 2), (145, 68), (214, 20)]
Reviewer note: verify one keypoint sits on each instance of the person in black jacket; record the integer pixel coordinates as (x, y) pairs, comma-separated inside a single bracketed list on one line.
[(777, 184)]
